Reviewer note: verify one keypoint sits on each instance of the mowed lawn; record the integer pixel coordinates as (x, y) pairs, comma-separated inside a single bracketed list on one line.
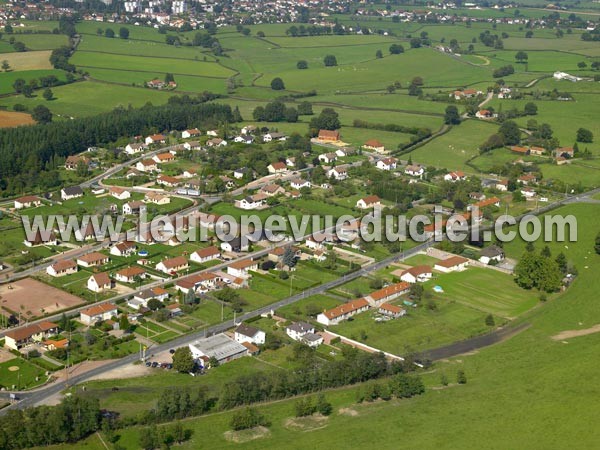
[(151, 65), (420, 329), (20, 61), (455, 148), (88, 98), (486, 290)]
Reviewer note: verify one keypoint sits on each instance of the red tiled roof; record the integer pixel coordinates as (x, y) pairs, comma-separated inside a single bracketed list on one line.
[(452, 261), (99, 309), (392, 289), (346, 308)]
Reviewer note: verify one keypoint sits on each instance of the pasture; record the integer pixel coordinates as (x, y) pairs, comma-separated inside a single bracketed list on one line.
[(20, 61)]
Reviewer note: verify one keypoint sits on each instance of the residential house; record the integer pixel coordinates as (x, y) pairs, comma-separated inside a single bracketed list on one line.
[(272, 190), (237, 244), (537, 151), (216, 142), (189, 173), (125, 248), (393, 311), (502, 185), (129, 274), (313, 340), (368, 202), (277, 167), (98, 282), (249, 129), (526, 179), (73, 162), (40, 239), (387, 164), (276, 254), (156, 139), (71, 192), (157, 198), (520, 149), (329, 135), (98, 313), (134, 207), (416, 274), (212, 133), (387, 294), (343, 312), (244, 139), (327, 158), (299, 183), (203, 255), (528, 192), (93, 259), (37, 332), (194, 132), (290, 161), (255, 201), (27, 201), (269, 137), (414, 170), (491, 253), (146, 165), (165, 180), (339, 173), (240, 173), (203, 281), (492, 201), (452, 264), (141, 298), (241, 268), (192, 145), (132, 149), (565, 152), (455, 176), (62, 268), (163, 158), (484, 114), (298, 330), (172, 265), (119, 193), (246, 333), (375, 145)]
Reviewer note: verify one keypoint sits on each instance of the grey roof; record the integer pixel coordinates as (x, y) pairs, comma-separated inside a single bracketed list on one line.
[(247, 330), (301, 327), (311, 337), (492, 251), (220, 346), (73, 190)]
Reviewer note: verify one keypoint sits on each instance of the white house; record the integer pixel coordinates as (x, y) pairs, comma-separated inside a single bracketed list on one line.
[(252, 201), (299, 183), (27, 202), (132, 149), (186, 134), (248, 129), (327, 158), (528, 192), (277, 167), (61, 268), (98, 282), (491, 253), (172, 265), (156, 139), (370, 201), (298, 330), (241, 268), (343, 312), (69, 193), (387, 164), (125, 248), (92, 259), (417, 274), (119, 193), (269, 137), (455, 176), (414, 170), (339, 173), (240, 173), (135, 207), (205, 254), (146, 165), (246, 333), (129, 274), (97, 313), (452, 264)]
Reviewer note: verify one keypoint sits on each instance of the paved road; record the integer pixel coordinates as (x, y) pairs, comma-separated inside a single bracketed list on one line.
[(33, 397)]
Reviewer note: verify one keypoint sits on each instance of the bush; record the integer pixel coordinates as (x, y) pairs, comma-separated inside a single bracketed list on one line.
[(330, 61), (461, 378), (277, 84), (302, 65), (247, 418)]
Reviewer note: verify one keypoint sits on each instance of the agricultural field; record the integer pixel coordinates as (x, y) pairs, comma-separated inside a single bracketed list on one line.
[(27, 60)]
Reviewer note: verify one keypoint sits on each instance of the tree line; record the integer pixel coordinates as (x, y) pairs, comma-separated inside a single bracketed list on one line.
[(25, 152)]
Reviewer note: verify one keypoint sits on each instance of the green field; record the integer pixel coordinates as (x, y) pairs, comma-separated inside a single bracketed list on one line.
[(24, 377)]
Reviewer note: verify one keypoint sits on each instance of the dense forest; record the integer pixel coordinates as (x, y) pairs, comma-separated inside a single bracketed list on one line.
[(27, 153)]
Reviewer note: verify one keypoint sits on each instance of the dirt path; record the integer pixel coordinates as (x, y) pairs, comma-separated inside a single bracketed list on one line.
[(567, 334)]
